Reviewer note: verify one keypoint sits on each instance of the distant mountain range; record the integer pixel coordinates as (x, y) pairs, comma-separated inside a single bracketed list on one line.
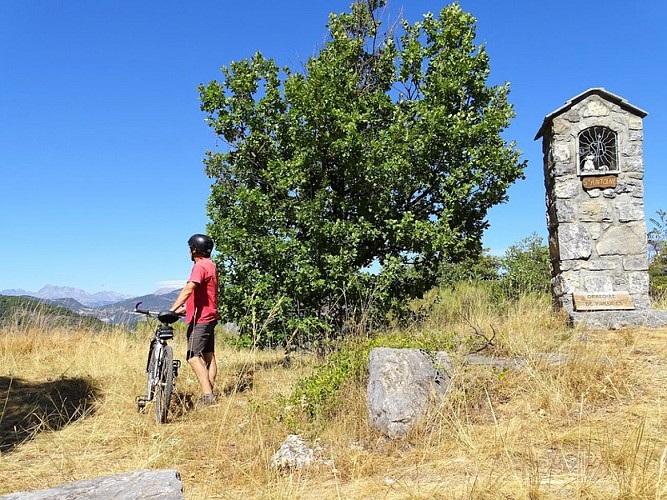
[(109, 307), (51, 292)]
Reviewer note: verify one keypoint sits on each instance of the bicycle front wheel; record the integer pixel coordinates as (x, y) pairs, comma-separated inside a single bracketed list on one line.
[(153, 354), (164, 385)]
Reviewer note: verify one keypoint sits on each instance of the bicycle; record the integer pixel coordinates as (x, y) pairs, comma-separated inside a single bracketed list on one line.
[(161, 366)]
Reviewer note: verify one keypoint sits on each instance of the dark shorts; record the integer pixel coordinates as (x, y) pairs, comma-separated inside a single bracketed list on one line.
[(200, 339)]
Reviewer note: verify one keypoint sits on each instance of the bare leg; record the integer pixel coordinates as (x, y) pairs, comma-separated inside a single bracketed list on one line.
[(212, 367), (199, 367)]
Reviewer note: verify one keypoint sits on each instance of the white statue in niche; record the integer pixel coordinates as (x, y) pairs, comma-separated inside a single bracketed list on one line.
[(589, 166)]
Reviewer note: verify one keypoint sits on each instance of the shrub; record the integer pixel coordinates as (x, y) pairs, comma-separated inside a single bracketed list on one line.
[(657, 271), (526, 267)]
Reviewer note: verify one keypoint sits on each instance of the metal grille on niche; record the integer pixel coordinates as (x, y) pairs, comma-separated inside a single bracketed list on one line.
[(598, 153)]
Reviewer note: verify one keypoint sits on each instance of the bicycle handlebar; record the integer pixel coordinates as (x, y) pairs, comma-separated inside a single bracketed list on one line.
[(166, 317), (143, 311)]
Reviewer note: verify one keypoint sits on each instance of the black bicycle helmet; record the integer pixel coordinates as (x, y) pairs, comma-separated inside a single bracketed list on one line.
[(202, 244)]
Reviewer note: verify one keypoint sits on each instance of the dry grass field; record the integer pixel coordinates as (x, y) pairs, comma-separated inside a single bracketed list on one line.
[(593, 427)]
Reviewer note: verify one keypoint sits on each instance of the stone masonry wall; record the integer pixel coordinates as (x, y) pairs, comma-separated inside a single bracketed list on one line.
[(597, 237)]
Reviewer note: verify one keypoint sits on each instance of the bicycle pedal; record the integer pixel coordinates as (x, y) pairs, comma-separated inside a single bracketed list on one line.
[(141, 403)]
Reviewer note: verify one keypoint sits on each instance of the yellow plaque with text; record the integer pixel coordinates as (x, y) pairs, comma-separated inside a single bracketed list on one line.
[(601, 181)]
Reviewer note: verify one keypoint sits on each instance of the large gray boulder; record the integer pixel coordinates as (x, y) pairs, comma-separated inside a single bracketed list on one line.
[(154, 484), (401, 384)]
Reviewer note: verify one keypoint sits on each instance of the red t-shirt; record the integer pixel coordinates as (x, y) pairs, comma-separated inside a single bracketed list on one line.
[(202, 304)]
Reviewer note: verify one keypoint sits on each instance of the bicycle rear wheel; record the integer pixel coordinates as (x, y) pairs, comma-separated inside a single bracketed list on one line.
[(165, 384)]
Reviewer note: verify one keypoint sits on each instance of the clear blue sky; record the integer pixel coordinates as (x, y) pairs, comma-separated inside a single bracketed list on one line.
[(102, 139)]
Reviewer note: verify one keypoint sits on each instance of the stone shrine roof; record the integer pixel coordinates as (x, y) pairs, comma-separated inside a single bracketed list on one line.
[(606, 95)]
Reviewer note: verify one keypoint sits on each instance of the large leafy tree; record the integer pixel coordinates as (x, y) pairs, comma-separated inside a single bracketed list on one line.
[(344, 186)]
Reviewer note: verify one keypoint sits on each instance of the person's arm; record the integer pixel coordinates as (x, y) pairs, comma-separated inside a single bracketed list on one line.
[(179, 304)]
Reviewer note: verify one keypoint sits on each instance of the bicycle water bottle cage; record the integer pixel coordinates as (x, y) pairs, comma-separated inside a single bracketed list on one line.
[(167, 317), (165, 333)]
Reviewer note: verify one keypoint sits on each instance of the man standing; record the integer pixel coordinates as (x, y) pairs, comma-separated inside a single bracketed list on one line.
[(199, 301)]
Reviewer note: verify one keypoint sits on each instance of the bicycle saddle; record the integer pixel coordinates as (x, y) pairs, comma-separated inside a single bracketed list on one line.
[(168, 317)]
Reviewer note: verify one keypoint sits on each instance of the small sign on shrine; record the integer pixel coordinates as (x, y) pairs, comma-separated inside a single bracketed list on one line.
[(602, 301), (602, 182)]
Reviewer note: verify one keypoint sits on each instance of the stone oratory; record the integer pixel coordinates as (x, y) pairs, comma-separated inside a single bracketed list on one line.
[(594, 179)]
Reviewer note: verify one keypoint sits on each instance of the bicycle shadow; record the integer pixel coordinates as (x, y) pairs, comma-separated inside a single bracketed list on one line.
[(28, 408)]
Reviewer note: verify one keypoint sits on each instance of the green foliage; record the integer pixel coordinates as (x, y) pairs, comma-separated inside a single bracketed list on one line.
[(526, 267), (657, 270), (657, 236), (483, 267), (318, 395), (343, 188)]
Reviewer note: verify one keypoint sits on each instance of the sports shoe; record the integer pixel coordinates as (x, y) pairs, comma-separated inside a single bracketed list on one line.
[(207, 400)]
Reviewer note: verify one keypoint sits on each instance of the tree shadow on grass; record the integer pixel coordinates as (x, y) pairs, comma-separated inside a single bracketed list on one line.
[(27, 407)]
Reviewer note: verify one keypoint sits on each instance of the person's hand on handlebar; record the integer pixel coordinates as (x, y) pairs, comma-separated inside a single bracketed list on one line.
[(180, 310)]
